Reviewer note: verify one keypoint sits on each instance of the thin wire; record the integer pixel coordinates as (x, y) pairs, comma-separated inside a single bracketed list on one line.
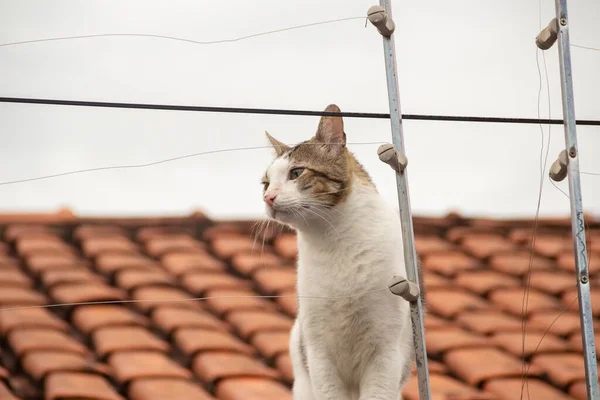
[(183, 39), (525, 303), (585, 47), (590, 173), (89, 303), (132, 166)]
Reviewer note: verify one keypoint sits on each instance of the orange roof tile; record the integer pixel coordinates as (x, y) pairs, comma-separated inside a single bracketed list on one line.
[(234, 346)]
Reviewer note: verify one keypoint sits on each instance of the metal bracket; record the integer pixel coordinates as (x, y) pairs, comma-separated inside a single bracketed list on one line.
[(558, 170), (382, 21), (392, 157), (546, 38), (400, 286)]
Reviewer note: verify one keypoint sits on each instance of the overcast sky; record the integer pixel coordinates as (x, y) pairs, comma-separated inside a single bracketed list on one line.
[(454, 57)]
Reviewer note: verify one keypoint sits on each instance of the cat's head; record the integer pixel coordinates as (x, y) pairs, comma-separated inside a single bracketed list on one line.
[(307, 181)]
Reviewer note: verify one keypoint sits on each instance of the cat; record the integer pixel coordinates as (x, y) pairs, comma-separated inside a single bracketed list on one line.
[(349, 242)]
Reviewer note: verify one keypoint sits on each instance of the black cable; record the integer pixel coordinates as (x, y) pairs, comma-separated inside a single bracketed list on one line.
[(239, 110)]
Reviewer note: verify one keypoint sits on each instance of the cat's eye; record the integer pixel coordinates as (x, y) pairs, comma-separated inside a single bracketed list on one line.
[(295, 173), (265, 185)]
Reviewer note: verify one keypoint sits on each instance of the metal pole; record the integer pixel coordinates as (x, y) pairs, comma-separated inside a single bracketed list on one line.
[(577, 221), (410, 255)]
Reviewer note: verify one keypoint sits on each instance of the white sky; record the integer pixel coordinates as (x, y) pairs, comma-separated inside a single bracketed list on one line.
[(455, 57)]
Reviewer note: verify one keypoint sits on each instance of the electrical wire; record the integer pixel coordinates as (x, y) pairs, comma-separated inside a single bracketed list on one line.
[(239, 110), (237, 39)]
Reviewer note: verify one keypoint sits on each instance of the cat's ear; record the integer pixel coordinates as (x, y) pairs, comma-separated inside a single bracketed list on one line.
[(331, 130), (279, 147)]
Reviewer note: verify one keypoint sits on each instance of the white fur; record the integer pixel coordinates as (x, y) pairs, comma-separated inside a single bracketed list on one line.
[(357, 348)]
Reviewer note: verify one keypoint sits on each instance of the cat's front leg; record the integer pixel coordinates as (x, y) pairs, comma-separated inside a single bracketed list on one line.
[(381, 379), (325, 379)]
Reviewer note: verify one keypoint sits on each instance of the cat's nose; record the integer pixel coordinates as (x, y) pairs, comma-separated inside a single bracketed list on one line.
[(270, 198)]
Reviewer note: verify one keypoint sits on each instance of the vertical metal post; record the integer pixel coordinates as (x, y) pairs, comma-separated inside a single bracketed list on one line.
[(577, 221), (410, 255)]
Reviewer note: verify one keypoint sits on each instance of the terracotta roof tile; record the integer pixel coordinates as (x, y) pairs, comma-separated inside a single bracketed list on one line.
[(449, 263), (449, 303), (8, 261), (248, 323), (212, 366), (431, 280), (133, 279), (432, 244), (200, 282), (126, 338), (108, 245), (16, 231), (85, 292), (131, 365), (275, 280), (474, 269), (90, 318), (566, 261), (566, 324), (509, 389), (440, 341), (444, 387), (570, 295), (552, 282), (146, 233), (38, 264), (478, 365), (14, 278), (5, 393), (30, 318), (511, 300), (30, 246), (20, 297), (576, 341), (288, 302), (272, 343), (69, 385), (489, 321), (108, 264), (482, 282), (518, 263), (459, 233), (152, 297), (220, 230), (286, 246), (535, 343), (192, 341), (171, 319), (552, 245), (166, 389), (183, 263), (252, 389), (70, 275), (433, 322), (36, 339), (84, 232), (181, 243), (284, 365), (485, 245), (578, 390), (39, 364), (225, 301), (248, 263), (227, 247), (562, 369)]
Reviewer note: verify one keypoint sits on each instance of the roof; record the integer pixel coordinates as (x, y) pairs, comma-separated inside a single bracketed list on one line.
[(236, 348)]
